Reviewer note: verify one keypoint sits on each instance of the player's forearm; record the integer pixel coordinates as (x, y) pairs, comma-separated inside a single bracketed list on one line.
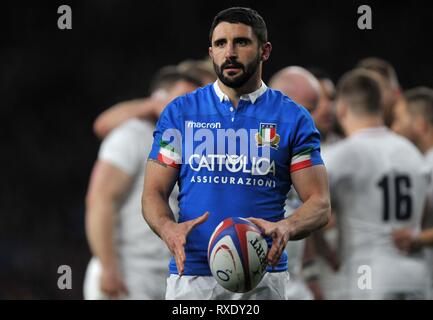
[(156, 211), (121, 112), (100, 215), (108, 120), (312, 215), (325, 250), (116, 115)]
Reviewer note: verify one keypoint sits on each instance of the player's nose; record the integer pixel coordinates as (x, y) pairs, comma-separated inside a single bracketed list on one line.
[(230, 51)]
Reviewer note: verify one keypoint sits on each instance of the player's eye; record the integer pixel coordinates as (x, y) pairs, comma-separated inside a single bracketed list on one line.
[(219, 43), (242, 42)]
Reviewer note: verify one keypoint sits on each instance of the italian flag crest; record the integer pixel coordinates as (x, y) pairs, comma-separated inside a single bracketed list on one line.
[(268, 136)]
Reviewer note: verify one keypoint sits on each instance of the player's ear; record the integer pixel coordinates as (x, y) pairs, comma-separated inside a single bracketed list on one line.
[(421, 125), (398, 93), (266, 51), (210, 52)]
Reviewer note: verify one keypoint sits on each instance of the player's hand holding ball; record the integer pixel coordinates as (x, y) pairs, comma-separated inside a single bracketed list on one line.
[(174, 235), (279, 232)]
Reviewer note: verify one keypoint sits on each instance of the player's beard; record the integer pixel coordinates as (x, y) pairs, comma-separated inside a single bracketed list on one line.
[(239, 80)]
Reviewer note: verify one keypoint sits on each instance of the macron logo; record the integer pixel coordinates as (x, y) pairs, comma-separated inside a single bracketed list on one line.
[(205, 125)]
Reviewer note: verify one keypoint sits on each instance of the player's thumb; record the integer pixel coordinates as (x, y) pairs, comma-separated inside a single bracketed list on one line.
[(199, 220)]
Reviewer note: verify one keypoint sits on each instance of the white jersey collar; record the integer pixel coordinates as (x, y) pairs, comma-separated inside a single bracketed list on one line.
[(253, 96), (372, 130)]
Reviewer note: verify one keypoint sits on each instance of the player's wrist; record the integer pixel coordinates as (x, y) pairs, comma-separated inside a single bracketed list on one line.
[(166, 227), (311, 270), (418, 240), (110, 267), (289, 229)]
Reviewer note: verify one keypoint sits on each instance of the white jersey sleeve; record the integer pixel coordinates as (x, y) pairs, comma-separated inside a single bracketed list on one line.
[(123, 146)]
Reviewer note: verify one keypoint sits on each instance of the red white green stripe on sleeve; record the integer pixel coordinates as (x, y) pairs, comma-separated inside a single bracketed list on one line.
[(301, 160), (168, 155)]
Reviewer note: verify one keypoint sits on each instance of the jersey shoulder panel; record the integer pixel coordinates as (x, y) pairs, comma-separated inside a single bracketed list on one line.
[(341, 158), (407, 144)]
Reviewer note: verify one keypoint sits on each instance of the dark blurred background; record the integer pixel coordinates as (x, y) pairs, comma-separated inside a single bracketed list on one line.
[(53, 83)]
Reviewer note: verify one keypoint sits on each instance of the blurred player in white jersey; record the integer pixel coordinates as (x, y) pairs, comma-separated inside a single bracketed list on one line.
[(129, 261), (305, 265), (378, 184), (414, 120), (301, 86), (321, 260)]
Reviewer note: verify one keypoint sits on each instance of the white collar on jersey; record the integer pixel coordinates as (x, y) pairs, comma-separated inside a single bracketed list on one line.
[(371, 130), (253, 96)]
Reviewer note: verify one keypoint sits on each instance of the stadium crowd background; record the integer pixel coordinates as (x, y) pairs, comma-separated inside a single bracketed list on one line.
[(55, 82)]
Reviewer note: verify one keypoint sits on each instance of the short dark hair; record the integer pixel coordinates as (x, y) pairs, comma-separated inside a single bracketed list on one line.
[(167, 76), (381, 66), (361, 90), (420, 101), (246, 16)]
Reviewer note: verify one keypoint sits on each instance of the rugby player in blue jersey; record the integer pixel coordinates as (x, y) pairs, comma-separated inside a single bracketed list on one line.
[(235, 147)]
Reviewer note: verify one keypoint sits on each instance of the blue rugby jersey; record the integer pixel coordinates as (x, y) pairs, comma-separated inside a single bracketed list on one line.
[(233, 162)]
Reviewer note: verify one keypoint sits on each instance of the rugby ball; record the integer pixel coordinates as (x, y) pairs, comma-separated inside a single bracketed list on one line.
[(237, 255)]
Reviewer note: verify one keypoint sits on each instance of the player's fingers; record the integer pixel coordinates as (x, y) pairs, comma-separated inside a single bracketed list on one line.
[(402, 245), (107, 290), (118, 292), (106, 293), (262, 224), (272, 252), (256, 221), (275, 251), (272, 255), (113, 295), (118, 289), (178, 265), (180, 259)]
